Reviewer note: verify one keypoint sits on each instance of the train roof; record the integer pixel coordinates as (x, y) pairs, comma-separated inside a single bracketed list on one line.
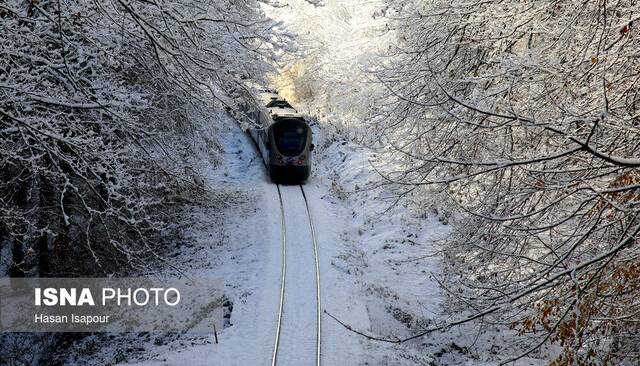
[(278, 107), (266, 97), (278, 112)]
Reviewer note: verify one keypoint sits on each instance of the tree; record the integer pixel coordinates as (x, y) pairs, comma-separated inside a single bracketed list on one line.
[(89, 92), (527, 113)]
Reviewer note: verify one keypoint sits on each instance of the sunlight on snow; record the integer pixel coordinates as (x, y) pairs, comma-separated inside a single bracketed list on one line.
[(338, 42)]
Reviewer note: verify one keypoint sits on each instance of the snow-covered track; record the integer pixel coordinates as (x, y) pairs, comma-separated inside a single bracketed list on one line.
[(286, 355), (315, 253), (282, 279)]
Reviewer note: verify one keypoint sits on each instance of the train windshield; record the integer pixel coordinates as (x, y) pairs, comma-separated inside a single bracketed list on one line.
[(290, 136)]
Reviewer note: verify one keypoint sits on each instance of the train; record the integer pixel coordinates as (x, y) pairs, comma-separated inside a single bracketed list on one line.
[(282, 135)]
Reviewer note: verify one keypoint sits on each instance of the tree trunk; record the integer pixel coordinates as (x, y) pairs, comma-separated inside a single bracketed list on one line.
[(17, 259), (47, 200), (43, 255), (3, 237)]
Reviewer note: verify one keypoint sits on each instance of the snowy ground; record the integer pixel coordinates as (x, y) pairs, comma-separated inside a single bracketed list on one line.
[(243, 245), (376, 263), (391, 251), (362, 285)]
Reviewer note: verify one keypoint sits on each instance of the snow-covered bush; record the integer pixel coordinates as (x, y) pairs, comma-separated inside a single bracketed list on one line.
[(528, 112), (92, 94)]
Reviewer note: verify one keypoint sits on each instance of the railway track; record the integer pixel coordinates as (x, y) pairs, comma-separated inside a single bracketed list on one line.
[(291, 314)]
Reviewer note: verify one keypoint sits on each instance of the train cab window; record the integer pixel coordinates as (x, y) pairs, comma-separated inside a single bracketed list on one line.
[(290, 137)]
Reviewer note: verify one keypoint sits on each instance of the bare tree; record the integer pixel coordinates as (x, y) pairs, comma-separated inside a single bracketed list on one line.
[(527, 114), (89, 94)]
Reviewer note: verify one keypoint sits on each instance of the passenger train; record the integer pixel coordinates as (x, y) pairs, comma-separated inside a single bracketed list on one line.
[(282, 136)]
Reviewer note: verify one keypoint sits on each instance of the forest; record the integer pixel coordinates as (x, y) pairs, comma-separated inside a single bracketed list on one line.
[(519, 118)]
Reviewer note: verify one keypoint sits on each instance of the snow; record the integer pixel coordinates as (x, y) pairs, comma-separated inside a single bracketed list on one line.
[(298, 329), (386, 255), (245, 258), (391, 252), (360, 282), (338, 42), (379, 257), (248, 259), (375, 243), (377, 262), (376, 258)]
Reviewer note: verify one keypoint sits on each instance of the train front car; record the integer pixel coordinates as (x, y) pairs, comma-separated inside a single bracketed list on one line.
[(290, 149)]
